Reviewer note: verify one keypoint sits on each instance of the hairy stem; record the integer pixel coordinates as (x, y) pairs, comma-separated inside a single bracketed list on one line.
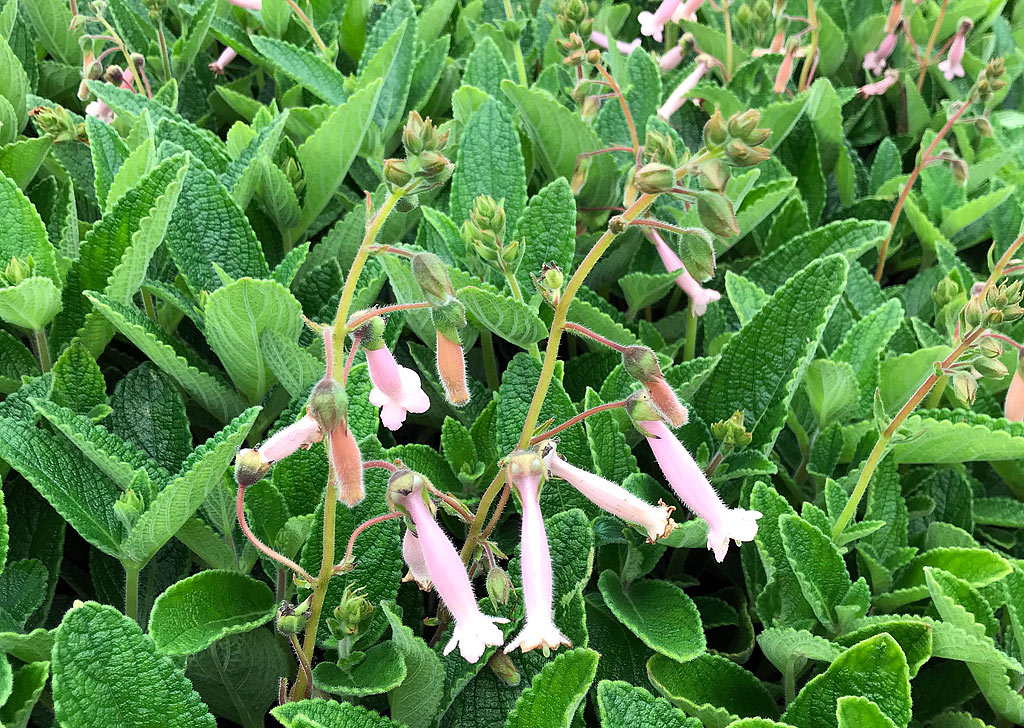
[(476, 527), (577, 419), (490, 361), (309, 26), (131, 592), (358, 530), (583, 331), (260, 546), (728, 40), (307, 672), (690, 349), (520, 64), (625, 107), (374, 312), (43, 350), (322, 580), (812, 17)]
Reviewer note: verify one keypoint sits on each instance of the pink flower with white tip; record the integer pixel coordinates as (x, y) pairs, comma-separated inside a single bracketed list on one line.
[(606, 495), (601, 40), (651, 24), (100, 110), (226, 56), (953, 66), (1014, 406), (525, 472), (474, 631), (874, 61), (687, 11), (689, 482), (412, 554), (700, 296), (247, 4), (678, 97), (296, 436), (880, 87), (396, 389)]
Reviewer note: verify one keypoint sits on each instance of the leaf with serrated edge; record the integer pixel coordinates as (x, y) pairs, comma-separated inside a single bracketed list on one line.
[(511, 320), (621, 705), (416, 700), (330, 713), (552, 699)]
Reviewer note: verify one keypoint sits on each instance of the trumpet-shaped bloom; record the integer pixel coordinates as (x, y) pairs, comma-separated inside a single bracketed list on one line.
[(671, 59), (301, 434), (690, 484), (953, 66), (606, 495), (474, 631), (451, 367), (700, 296), (601, 40), (396, 389), (525, 471), (881, 86), (412, 552), (1015, 398), (785, 70), (678, 97), (874, 61), (100, 110), (342, 450), (226, 56), (651, 24), (687, 11)]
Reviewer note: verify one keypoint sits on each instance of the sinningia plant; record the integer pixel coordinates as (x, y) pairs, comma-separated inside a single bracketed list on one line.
[(483, 363)]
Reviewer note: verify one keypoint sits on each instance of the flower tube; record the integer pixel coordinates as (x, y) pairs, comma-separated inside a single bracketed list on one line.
[(248, 4), (474, 631), (874, 61), (226, 56), (687, 11), (700, 296), (412, 553), (299, 435), (677, 97), (601, 40), (651, 24), (525, 472), (1014, 407), (953, 66), (880, 87), (396, 389), (606, 495)]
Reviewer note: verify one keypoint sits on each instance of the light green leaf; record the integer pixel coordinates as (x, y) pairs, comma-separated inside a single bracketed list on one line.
[(14, 89), (31, 304), (548, 230), (139, 163), (27, 685), (977, 566), (16, 361), (788, 648), (175, 504), (296, 368), (511, 320), (746, 297), (396, 25), (621, 705), (552, 699), (417, 699), (236, 317), (659, 613), (854, 711), (107, 674), (305, 68), (818, 565), (24, 232), (320, 713), (20, 160), (645, 289), (382, 669), (52, 22), (1004, 512), (195, 612), (832, 389), (957, 436), (194, 40)]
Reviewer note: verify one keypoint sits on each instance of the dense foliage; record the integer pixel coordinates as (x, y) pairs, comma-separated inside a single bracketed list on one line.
[(541, 363)]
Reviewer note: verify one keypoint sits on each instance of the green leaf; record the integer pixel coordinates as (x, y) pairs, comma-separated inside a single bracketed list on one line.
[(396, 25), (196, 612), (31, 304), (849, 237), (14, 88), (22, 590), (782, 598), (621, 705), (511, 320), (779, 342), (1004, 512), (139, 163), (548, 230), (24, 233), (327, 153), (865, 342), (26, 687), (296, 368), (746, 297), (175, 504), (148, 411), (108, 154), (20, 160), (328, 714), (645, 289), (486, 68), (52, 22), (913, 637), (303, 67), (659, 613), (382, 669), (236, 317), (957, 436), (417, 699), (16, 361), (208, 228), (832, 388), (854, 711), (818, 566), (559, 136), (788, 648), (107, 674), (208, 386), (490, 162), (552, 699), (194, 39), (977, 566), (244, 172), (712, 688)]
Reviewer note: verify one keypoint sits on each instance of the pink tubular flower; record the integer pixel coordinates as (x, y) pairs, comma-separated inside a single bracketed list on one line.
[(874, 61), (601, 40), (651, 24), (687, 11), (100, 110), (247, 4), (474, 630), (606, 495), (700, 296), (525, 471), (1015, 397), (677, 97), (953, 66), (328, 406), (396, 389), (880, 87), (692, 486), (671, 59), (785, 68), (299, 435), (226, 56), (412, 552), (451, 367)]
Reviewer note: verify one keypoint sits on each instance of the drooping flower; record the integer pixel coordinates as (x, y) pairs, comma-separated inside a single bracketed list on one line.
[(677, 97), (601, 40), (953, 66), (448, 316), (691, 485), (881, 86), (700, 296), (606, 495), (775, 47), (786, 67), (687, 11), (1014, 407), (525, 472), (451, 367), (100, 110), (474, 631), (298, 435), (671, 59), (328, 405), (641, 363), (412, 553), (226, 56), (874, 61), (396, 389), (651, 24)]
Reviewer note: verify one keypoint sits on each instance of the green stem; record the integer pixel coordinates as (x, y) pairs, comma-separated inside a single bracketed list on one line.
[(789, 679), (490, 362), (165, 58), (936, 397), (147, 302), (520, 64), (481, 514), (309, 26), (43, 350), (131, 592), (322, 580), (931, 44), (728, 40), (809, 60), (691, 334), (517, 294)]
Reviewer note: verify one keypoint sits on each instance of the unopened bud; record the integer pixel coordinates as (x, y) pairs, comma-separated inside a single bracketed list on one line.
[(499, 586), (655, 178), (990, 347), (617, 225), (732, 433), (328, 404), (984, 126), (743, 155), (591, 105), (504, 669), (991, 368), (128, 507), (742, 123), (414, 134), (744, 15), (139, 60), (660, 148), (432, 276), (716, 213), (641, 363), (715, 131), (945, 291), (593, 57), (17, 271), (960, 171), (432, 164), (397, 172), (714, 175), (974, 312), (353, 612), (291, 624), (965, 387), (250, 467)]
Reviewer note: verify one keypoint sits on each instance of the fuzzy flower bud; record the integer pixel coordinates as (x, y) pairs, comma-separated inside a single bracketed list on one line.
[(412, 553), (328, 404), (397, 172), (716, 213), (1014, 407), (451, 368), (641, 363), (250, 467), (654, 178), (299, 435), (700, 296), (732, 433), (432, 277)]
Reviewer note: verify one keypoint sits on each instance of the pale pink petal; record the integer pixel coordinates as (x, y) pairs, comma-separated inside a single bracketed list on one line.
[(687, 11), (392, 415), (678, 97), (298, 435), (1015, 398), (701, 296), (412, 552)]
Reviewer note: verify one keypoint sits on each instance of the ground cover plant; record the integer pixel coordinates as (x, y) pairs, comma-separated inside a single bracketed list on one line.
[(483, 363)]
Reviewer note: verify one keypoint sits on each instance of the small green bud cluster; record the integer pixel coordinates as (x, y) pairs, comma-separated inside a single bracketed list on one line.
[(352, 615), (549, 282), (484, 233), (732, 433), (17, 271), (739, 137), (424, 161), (574, 25), (292, 618), (1000, 304), (660, 148), (57, 123)]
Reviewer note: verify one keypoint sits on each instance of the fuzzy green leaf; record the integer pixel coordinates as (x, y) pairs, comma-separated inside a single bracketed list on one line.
[(818, 566), (622, 705), (552, 699), (511, 320), (305, 68), (416, 700), (382, 669)]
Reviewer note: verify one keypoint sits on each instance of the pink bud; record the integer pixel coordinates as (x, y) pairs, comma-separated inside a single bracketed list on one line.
[(692, 486), (701, 296), (606, 495), (226, 56), (396, 389), (785, 71), (127, 78), (451, 367), (671, 59), (346, 464), (880, 87), (874, 61), (297, 435), (474, 630), (1015, 398), (677, 97), (652, 23), (412, 552), (525, 471), (601, 40)]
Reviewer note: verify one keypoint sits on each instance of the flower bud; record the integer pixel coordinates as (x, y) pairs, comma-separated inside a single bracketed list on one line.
[(352, 614), (660, 148), (415, 134), (945, 291), (984, 126), (744, 15), (655, 178), (965, 387), (250, 467), (488, 215), (990, 347), (960, 171), (432, 164), (974, 312), (451, 368), (289, 624), (56, 123), (714, 175), (128, 507), (743, 155), (371, 334), (432, 276), (742, 123), (716, 214), (732, 433), (991, 368), (641, 363), (617, 225), (499, 586), (715, 131), (328, 404), (504, 669), (397, 172), (17, 271)]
